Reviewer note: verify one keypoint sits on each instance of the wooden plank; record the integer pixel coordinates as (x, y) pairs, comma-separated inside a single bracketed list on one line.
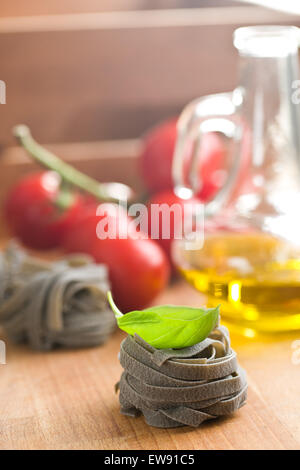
[(50, 7), (66, 399), (112, 75), (143, 19)]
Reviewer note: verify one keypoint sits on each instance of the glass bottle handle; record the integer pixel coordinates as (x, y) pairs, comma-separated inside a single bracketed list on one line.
[(213, 113)]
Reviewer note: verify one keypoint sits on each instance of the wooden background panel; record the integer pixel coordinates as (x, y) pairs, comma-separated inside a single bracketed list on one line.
[(46, 7), (112, 75), (115, 86)]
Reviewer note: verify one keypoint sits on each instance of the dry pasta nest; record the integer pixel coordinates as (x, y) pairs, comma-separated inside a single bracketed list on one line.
[(181, 387), (49, 304)]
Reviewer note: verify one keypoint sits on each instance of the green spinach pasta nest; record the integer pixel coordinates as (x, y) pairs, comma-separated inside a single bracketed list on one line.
[(49, 304), (180, 387)]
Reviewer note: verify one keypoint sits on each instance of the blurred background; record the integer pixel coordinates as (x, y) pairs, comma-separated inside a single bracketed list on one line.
[(90, 77)]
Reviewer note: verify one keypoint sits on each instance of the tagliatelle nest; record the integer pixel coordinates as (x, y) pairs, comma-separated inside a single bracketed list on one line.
[(181, 387), (48, 304)]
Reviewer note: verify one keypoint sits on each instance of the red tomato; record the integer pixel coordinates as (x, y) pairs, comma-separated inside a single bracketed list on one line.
[(138, 268), (157, 156), (168, 198), (32, 214)]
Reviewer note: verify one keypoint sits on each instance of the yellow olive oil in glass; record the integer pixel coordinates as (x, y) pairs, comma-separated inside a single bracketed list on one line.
[(252, 265), (255, 277)]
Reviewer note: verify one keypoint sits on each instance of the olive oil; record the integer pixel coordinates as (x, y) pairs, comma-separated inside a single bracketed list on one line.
[(255, 277)]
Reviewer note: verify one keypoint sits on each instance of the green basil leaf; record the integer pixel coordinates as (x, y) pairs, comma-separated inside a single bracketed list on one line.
[(168, 326)]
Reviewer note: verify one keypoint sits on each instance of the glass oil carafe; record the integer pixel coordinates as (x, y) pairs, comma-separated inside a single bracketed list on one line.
[(249, 261)]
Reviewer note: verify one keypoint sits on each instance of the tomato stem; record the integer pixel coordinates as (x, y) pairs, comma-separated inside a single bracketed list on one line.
[(108, 192)]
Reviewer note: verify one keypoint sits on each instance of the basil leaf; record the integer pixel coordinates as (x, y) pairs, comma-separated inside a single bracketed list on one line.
[(168, 326)]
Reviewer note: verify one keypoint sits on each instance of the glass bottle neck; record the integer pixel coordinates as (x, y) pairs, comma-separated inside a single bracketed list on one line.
[(271, 117), (266, 106)]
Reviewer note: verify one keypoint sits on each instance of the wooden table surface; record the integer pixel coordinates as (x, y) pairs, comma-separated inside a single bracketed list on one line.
[(66, 399)]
